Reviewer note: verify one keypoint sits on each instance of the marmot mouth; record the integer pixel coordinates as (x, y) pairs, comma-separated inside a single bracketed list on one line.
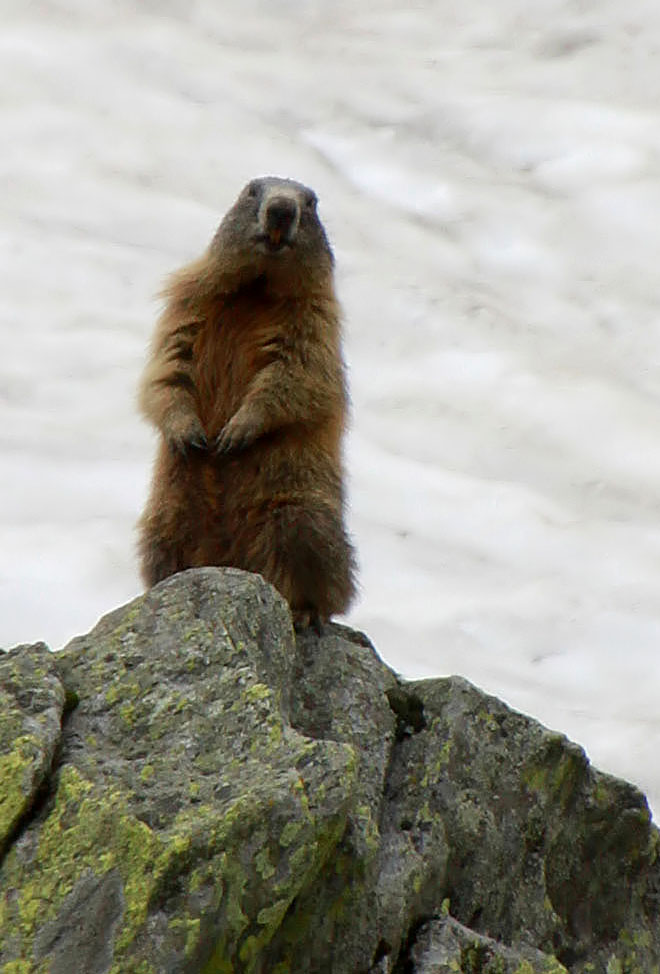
[(273, 243)]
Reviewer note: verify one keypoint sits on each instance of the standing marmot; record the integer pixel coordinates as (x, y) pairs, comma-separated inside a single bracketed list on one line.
[(246, 384)]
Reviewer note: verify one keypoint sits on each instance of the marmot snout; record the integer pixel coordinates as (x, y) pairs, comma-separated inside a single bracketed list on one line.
[(278, 217)]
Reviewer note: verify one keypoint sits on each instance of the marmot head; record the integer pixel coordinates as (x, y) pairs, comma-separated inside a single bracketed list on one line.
[(273, 231)]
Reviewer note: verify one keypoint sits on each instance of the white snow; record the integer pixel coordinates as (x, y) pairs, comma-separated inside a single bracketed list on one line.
[(489, 177)]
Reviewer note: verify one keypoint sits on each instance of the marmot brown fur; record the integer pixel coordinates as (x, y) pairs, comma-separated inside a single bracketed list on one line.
[(246, 385)]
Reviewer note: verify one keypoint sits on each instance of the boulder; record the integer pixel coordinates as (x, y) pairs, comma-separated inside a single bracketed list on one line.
[(192, 788)]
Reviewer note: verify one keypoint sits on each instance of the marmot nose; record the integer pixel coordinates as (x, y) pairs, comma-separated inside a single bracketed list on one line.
[(281, 214)]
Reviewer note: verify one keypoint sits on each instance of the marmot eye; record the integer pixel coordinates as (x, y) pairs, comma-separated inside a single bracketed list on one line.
[(310, 201), (252, 192)]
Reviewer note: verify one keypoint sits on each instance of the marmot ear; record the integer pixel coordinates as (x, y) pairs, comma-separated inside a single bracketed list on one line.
[(253, 189)]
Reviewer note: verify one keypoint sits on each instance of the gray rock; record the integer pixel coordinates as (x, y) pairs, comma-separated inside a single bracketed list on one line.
[(544, 849), (228, 798), (31, 705), (80, 939), (446, 946)]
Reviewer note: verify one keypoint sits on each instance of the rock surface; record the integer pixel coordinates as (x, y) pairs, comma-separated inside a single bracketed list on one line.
[(189, 788), (31, 707), (445, 946)]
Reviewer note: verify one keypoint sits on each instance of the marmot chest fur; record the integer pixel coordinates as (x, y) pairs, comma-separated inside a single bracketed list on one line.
[(246, 384)]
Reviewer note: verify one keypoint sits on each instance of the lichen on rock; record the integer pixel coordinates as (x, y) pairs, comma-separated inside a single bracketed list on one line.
[(175, 684), (32, 700), (445, 946), (228, 798)]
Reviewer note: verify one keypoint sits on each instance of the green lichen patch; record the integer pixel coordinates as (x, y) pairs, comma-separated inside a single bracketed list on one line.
[(85, 832), (556, 771), (261, 876), (93, 832), (32, 701), (16, 781)]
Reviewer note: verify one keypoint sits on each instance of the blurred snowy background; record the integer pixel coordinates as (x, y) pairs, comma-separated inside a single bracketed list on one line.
[(489, 177)]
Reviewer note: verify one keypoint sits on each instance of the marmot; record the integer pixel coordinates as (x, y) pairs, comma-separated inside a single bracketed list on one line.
[(246, 384)]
